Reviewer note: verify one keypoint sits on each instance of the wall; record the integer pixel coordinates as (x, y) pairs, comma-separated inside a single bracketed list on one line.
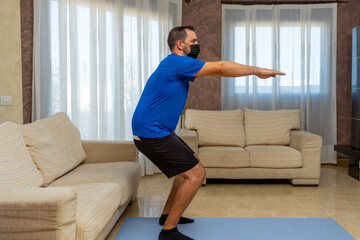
[(348, 18), (10, 60), (27, 22), (205, 93), (205, 16)]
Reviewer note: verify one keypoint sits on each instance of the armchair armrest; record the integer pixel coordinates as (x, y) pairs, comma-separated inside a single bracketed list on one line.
[(37, 213), (110, 151), (310, 146), (191, 139)]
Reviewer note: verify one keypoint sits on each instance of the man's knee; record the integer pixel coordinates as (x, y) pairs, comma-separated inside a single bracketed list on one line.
[(196, 174), (202, 173)]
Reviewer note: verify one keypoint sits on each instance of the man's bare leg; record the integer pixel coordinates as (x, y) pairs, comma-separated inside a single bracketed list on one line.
[(176, 184), (192, 180), (185, 193), (175, 187), (179, 179)]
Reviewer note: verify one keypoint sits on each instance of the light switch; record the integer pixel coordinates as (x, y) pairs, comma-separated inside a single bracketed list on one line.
[(6, 100)]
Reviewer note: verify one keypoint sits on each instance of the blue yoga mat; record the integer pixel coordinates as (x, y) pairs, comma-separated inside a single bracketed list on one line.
[(240, 229)]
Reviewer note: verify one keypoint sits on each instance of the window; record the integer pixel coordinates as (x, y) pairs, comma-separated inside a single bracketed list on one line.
[(93, 58), (299, 40)]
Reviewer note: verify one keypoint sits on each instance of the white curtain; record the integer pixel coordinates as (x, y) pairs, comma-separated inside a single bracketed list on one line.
[(92, 59), (299, 40)]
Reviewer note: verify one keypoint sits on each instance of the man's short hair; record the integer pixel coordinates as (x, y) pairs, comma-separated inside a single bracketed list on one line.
[(178, 33)]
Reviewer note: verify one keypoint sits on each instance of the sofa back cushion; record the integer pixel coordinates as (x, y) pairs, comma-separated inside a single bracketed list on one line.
[(270, 127), (217, 128), (54, 144), (16, 166)]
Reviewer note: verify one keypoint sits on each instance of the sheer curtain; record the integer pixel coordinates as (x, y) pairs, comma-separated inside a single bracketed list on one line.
[(299, 40), (92, 59)]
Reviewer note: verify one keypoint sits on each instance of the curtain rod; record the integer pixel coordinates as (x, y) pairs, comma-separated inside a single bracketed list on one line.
[(280, 1)]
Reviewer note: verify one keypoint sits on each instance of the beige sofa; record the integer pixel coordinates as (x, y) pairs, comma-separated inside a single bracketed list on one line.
[(55, 186), (252, 144)]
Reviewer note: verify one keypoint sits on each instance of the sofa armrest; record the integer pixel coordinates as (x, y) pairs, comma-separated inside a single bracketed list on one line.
[(310, 146), (110, 151), (191, 139), (37, 213)]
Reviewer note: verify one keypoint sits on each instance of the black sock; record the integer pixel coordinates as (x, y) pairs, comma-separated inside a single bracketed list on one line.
[(172, 234), (183, 220)]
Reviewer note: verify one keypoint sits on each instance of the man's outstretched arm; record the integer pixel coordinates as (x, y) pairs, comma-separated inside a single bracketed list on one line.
[(232, 69)]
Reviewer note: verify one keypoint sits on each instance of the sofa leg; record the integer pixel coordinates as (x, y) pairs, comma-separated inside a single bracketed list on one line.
[(305, 181), (204, 183)]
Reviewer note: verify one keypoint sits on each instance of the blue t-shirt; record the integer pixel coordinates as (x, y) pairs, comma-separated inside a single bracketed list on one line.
[(164, 97)]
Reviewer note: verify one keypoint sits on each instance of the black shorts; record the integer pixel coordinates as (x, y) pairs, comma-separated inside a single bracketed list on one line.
[(170, 153)]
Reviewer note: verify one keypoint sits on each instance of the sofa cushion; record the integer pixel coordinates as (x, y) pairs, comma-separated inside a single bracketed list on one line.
[(16, 166), (270, 127), (126, 174), (54, 144), (274, 157), (224, 157), (217, 128), (96, 204)]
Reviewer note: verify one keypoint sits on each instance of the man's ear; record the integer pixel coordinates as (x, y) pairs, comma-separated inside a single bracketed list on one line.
[(178, 45)]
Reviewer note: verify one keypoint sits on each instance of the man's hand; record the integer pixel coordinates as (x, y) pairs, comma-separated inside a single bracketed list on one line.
[(264, 73)]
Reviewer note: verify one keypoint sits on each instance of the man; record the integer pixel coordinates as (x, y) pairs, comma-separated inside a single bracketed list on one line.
[(157, 115)]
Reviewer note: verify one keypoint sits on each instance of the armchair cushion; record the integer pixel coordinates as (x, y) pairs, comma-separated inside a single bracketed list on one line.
[(270, 127), (217, 128), (54, 144), (16, 166)]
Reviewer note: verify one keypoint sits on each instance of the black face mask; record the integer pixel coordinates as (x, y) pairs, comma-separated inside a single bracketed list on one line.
[(194, 51)]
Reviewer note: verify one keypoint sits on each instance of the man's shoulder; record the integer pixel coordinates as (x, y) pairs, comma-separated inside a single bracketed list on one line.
[(179, 59)]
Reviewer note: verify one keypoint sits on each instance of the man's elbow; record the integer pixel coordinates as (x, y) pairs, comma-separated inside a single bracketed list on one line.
[(222, 67)]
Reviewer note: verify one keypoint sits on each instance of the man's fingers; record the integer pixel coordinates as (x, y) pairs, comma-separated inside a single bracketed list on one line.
[(270, 73), (279, 73)]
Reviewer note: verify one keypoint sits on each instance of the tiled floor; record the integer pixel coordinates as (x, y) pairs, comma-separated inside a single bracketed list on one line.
[(337, 197)]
